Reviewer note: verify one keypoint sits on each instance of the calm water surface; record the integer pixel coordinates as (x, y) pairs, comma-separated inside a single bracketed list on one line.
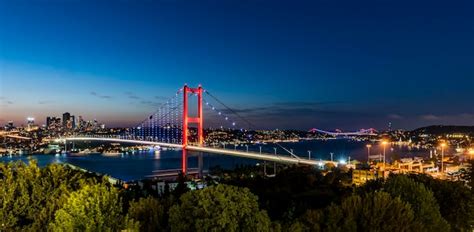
[(142, 164)]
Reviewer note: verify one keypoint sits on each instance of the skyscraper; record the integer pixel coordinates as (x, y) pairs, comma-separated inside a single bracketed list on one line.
[(48, 121), (66, 118), (80, 122), (73, 122)]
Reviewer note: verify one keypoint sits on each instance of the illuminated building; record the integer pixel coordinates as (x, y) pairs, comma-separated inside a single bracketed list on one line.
[(81, 123), (9, 126), (30, 122), (66, 119), (361, 176), (73, 121)]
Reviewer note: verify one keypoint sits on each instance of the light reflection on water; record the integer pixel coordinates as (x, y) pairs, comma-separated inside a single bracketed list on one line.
[(128, 166)]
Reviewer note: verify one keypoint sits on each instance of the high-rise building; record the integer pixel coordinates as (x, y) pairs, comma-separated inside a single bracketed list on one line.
[(30, 121), (73, 122), (9, 126), (66, 119), (81, 123), (48, 121), (53, 123)]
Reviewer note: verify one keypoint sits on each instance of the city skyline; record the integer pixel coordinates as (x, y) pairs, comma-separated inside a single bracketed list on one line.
[(323, 64)]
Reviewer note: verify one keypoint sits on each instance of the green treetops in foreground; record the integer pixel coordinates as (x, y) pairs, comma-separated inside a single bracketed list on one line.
[(372, 212), (421, 199), (93, 208), (218, 208), (150, 212), (58, 198), (30, 196)]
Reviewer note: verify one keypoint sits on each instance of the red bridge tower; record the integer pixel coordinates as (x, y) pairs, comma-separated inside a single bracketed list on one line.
[(187, 120)]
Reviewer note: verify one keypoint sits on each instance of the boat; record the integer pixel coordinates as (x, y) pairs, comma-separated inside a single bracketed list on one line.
[(80, 153), (111, 153)]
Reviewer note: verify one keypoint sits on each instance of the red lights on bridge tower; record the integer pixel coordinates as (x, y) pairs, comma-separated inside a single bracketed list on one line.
[(188, 120)]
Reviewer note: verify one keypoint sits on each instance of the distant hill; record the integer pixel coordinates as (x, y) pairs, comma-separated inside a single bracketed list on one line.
[(438, 129)]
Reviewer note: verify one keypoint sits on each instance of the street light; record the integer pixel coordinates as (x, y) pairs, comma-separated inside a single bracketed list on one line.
[(443, 145), (368, 152), (471, 153)]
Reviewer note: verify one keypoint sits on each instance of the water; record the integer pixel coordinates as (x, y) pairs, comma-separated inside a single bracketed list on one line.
[(141, 165)]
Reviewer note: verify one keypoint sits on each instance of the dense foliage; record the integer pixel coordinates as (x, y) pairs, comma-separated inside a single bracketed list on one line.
[(218, 208), (376, 211), (58, 198), (30, 196)]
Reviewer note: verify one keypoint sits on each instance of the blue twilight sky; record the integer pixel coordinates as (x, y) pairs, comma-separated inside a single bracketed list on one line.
[(282, 64)]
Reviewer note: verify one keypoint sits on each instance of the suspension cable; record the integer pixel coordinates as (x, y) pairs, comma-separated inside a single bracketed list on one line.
[(248, 122), (251, 125)]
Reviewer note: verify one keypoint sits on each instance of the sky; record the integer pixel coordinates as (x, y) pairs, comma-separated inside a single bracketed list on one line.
[(281, 64)]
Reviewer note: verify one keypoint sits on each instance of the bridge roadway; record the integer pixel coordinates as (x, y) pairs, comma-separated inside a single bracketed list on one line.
[(357, 133), (8, 135), (238, 153)]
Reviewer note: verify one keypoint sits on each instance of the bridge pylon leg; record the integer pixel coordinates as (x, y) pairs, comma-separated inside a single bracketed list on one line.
[(187, 120), (184, 161)]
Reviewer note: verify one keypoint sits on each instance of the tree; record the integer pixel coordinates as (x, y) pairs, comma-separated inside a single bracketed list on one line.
[(218, 208), (92, 208), (421, 199), (455, 200), (371, 212), (181, 188), (149, 212), (30, 196)]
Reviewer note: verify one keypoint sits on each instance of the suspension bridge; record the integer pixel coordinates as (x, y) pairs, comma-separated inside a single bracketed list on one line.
[(361, 132), (170, 127), (13, 135)]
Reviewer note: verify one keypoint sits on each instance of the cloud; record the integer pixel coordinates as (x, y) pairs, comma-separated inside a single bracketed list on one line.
[(45, 102), (5, 101), (306, 104), (430, 117), (100, 96), (132, 95), (150, 103), (161, 98), (466, 115), (395, 116), (296, 114)]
